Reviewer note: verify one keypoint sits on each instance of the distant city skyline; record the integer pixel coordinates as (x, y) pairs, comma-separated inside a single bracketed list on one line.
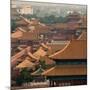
[(47, 9)]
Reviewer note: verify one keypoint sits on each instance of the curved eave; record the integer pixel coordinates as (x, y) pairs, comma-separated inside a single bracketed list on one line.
[(75, 49)]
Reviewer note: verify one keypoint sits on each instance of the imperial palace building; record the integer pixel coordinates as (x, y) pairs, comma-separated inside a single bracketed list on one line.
[(71, 64)]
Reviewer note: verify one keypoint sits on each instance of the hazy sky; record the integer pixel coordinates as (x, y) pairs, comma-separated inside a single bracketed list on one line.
[(63, 1)]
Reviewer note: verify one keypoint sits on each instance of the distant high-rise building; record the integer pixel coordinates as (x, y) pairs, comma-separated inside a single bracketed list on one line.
[(21, 8), (14, 3), (25, 9)]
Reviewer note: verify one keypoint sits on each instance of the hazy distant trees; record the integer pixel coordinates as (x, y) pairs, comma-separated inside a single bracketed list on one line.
[(48, 19), (30, 16), (52, 19), (13, 25)]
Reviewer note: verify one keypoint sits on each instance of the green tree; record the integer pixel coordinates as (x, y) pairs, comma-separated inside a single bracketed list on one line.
[(42, 63), (24, 77)]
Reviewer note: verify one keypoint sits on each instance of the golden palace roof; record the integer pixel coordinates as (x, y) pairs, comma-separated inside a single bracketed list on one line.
[(15, 58), (25, 64), (75, 49), (22, 22), (45, 46), (40, 53), (53, 48), (27, 33), (17, 34), (66, 26), (66, 70), (32, 56)]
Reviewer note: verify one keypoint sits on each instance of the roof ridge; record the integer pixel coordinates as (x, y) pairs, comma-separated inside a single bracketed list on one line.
[(48, 70), (19, 54), (32, 56), (82, 35), (25, 61), (71, 50), (61, 50)]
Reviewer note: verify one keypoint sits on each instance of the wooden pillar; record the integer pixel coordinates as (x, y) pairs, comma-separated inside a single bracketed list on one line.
[(53, 83), (50, 83), (56, 83)]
